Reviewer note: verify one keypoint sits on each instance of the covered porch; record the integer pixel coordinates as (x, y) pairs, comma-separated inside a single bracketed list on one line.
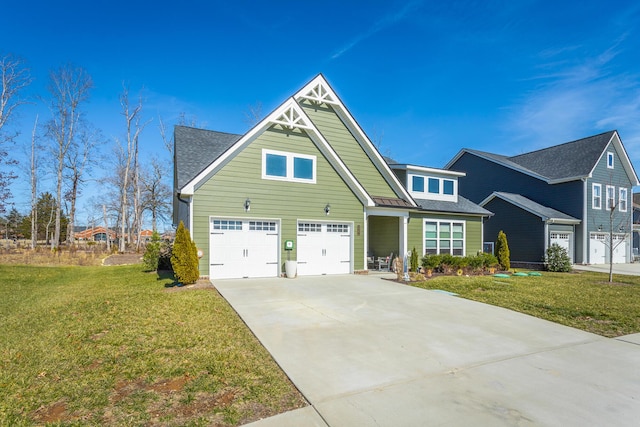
[(386, 236)]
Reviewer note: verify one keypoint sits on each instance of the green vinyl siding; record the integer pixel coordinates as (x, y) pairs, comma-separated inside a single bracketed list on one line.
[(225, 192), (473, 231), (348, 149)]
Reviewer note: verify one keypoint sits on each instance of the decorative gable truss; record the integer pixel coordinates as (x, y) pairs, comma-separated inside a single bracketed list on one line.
[(290, 115), (320, 93)]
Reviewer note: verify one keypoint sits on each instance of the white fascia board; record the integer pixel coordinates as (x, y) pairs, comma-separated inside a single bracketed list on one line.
[(626, 162), (382, 211), (424, 169), (358, 133)]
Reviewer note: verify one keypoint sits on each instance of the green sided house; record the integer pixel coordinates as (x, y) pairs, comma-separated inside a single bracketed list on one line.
[(307, 174)]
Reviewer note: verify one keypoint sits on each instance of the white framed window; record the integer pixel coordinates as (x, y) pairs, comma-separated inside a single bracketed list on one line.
[(444, 237), (609, 159), (284, 166), (622, 199), (596, 196), (224, 224), (611, 196), (417, 184)]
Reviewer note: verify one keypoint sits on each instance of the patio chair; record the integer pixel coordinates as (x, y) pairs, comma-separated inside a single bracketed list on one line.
[(385, 262)]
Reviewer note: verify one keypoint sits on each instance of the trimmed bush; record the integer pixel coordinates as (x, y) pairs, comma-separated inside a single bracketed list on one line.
[(152, 253), (413, 261), (184, 259), (502, 249), (557, 259)]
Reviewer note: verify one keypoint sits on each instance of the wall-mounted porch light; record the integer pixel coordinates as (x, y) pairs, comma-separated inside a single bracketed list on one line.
[(327, 209), (247, 205), (600, 227)]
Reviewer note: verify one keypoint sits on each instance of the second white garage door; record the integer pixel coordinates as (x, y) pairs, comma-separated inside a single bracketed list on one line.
[(324, 248), (564, 240)]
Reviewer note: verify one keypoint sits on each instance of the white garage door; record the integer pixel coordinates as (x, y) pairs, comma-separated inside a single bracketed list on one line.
[(597, 248), (620, 249), (563, 240), (324, 248), (243, 248)]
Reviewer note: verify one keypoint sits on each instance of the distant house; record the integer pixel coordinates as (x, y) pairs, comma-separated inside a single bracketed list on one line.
[(97, 234), (562, 194), (308, 179)]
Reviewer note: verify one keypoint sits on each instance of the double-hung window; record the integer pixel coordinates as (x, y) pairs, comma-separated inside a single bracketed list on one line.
[(283, 166), (622, 199), (611, 196), (596, 196)]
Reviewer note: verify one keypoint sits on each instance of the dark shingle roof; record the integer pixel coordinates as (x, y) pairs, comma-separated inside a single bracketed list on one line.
[(463, 206), (569, 160), (390, 202), (195, 149), (544, 212)]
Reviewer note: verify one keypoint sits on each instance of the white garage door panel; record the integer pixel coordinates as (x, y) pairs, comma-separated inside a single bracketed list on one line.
[(243, 248), (564, 241), (324, 248), (619, 249)]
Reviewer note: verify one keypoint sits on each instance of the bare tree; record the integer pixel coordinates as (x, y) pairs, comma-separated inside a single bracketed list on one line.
[(130, 166), (14, 78), (156, 193), (34, 187), (253, 115), (69, 87), (78, 160)]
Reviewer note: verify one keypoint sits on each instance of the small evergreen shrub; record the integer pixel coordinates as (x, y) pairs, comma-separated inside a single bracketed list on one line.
[(152, 253), (184, 259), (557, 259), (413, 261), (431, 262), (502, 249)]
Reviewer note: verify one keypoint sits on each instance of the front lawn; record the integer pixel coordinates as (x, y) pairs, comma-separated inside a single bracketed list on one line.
[(113, 346), (583, 300)]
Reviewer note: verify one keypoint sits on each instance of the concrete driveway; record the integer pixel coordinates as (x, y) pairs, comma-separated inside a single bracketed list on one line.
[(369, 352)]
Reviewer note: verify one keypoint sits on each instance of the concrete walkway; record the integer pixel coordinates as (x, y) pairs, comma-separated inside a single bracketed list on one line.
[(627, 269), (369, 352)]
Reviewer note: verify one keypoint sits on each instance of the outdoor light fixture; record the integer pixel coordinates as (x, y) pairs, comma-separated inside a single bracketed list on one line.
[(327, 209), (247, 205), (621, 228), (600, 227)]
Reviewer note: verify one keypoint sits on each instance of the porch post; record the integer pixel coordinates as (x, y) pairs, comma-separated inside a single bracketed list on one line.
[(402, 245)]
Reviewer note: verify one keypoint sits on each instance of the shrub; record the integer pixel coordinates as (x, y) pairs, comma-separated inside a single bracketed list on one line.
[(184, 259), (557, 259), (475, 263), (488, 260), (413, 261), (431, 262), (152, 253), (502, 249)]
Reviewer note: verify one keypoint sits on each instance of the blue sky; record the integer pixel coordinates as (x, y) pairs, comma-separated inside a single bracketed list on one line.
[(423, 78)]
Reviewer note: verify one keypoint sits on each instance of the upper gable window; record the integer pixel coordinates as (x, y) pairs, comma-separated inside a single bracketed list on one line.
[(417, 184), (284, 166), (610, 160)]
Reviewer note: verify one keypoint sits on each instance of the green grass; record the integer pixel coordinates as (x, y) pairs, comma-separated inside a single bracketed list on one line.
[(110, 345), (582, 300)]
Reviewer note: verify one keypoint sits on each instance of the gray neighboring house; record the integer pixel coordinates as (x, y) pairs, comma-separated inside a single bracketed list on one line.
[(562, 194)]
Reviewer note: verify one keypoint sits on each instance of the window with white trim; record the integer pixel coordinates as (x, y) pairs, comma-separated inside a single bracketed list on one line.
[(596, 196), (622, 199), (609, 160), (224, 224), (611, 196), (309, 227), (417, 184), (444, 237), (284, 166)]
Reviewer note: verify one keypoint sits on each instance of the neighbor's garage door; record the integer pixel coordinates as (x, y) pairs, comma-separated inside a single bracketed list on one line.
[(599, 248), (620, 248), (243, 248), (564, 241), (324, 248)]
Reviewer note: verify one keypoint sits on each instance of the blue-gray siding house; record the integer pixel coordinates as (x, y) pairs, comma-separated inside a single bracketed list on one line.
[(572, 194)]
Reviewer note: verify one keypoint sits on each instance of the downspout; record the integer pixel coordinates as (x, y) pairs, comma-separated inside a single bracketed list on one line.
[(546, 236), (188, 203), (585, 224)]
